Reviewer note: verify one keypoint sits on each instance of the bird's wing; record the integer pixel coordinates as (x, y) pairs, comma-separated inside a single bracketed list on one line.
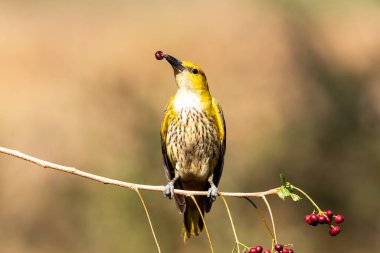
[(217, 173), (222, 140), (168, 164)]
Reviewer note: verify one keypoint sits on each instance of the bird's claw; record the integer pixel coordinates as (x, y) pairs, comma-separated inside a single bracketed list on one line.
[(212, 193), (169, 190)]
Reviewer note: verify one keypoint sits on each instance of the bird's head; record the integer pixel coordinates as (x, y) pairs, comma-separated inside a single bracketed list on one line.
[(188, 75)]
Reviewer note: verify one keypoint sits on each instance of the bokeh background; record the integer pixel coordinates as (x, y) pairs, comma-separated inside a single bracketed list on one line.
[(299, 82)]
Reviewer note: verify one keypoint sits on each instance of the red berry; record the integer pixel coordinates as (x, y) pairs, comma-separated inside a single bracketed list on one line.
[(267, 251), (159, 55), (285, 250), (321, 219), (290, 251), (307, 219), (253, 250), (259, 249), (328, 220), (339, 218), (278, 247), (314, 219), (334, 231), (329, 213)]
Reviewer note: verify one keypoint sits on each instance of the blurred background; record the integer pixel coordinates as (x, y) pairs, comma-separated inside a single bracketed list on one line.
[(299, 82)]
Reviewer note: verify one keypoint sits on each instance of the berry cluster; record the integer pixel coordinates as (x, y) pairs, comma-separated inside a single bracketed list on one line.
[(257, 249), (279, 248), (326, 217)]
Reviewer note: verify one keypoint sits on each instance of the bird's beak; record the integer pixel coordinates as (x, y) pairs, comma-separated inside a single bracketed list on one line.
[(176, 64)]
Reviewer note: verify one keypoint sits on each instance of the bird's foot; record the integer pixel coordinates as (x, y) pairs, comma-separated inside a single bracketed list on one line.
[(212, 193), (169, 190)]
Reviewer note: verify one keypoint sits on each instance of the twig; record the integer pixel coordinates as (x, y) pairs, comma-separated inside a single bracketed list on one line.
[(262, 218), (150, 222), (204, 223), (271, 217), (310, 199), (132, 186), (232, 223)]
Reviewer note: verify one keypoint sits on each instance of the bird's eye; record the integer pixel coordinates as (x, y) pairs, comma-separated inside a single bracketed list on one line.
[(195, 71)]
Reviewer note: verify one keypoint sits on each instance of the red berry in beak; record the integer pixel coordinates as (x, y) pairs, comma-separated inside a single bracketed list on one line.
[(159, 55)]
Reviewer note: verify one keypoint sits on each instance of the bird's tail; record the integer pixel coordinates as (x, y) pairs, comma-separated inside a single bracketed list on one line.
[(192, 220)]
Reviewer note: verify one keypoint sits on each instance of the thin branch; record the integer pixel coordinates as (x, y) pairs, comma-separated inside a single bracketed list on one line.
[(310, 199), (150, 222), (232, 223), (271, 217), (262, 218), (204, 223), (132, 186)]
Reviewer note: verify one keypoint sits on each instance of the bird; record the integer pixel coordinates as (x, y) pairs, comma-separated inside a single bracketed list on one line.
[(193, 143)]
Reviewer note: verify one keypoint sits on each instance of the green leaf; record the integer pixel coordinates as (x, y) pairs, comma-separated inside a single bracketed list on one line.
[(295, 197), (281, 193), (286, 190)]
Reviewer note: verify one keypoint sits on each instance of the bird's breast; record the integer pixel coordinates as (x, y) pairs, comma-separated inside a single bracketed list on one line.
[(192, 143)]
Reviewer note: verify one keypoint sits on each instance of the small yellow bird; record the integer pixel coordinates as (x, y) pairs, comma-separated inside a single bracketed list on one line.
[(193, 142)]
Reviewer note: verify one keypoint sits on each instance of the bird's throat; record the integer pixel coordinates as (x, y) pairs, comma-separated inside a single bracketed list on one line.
[(187, 99)]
